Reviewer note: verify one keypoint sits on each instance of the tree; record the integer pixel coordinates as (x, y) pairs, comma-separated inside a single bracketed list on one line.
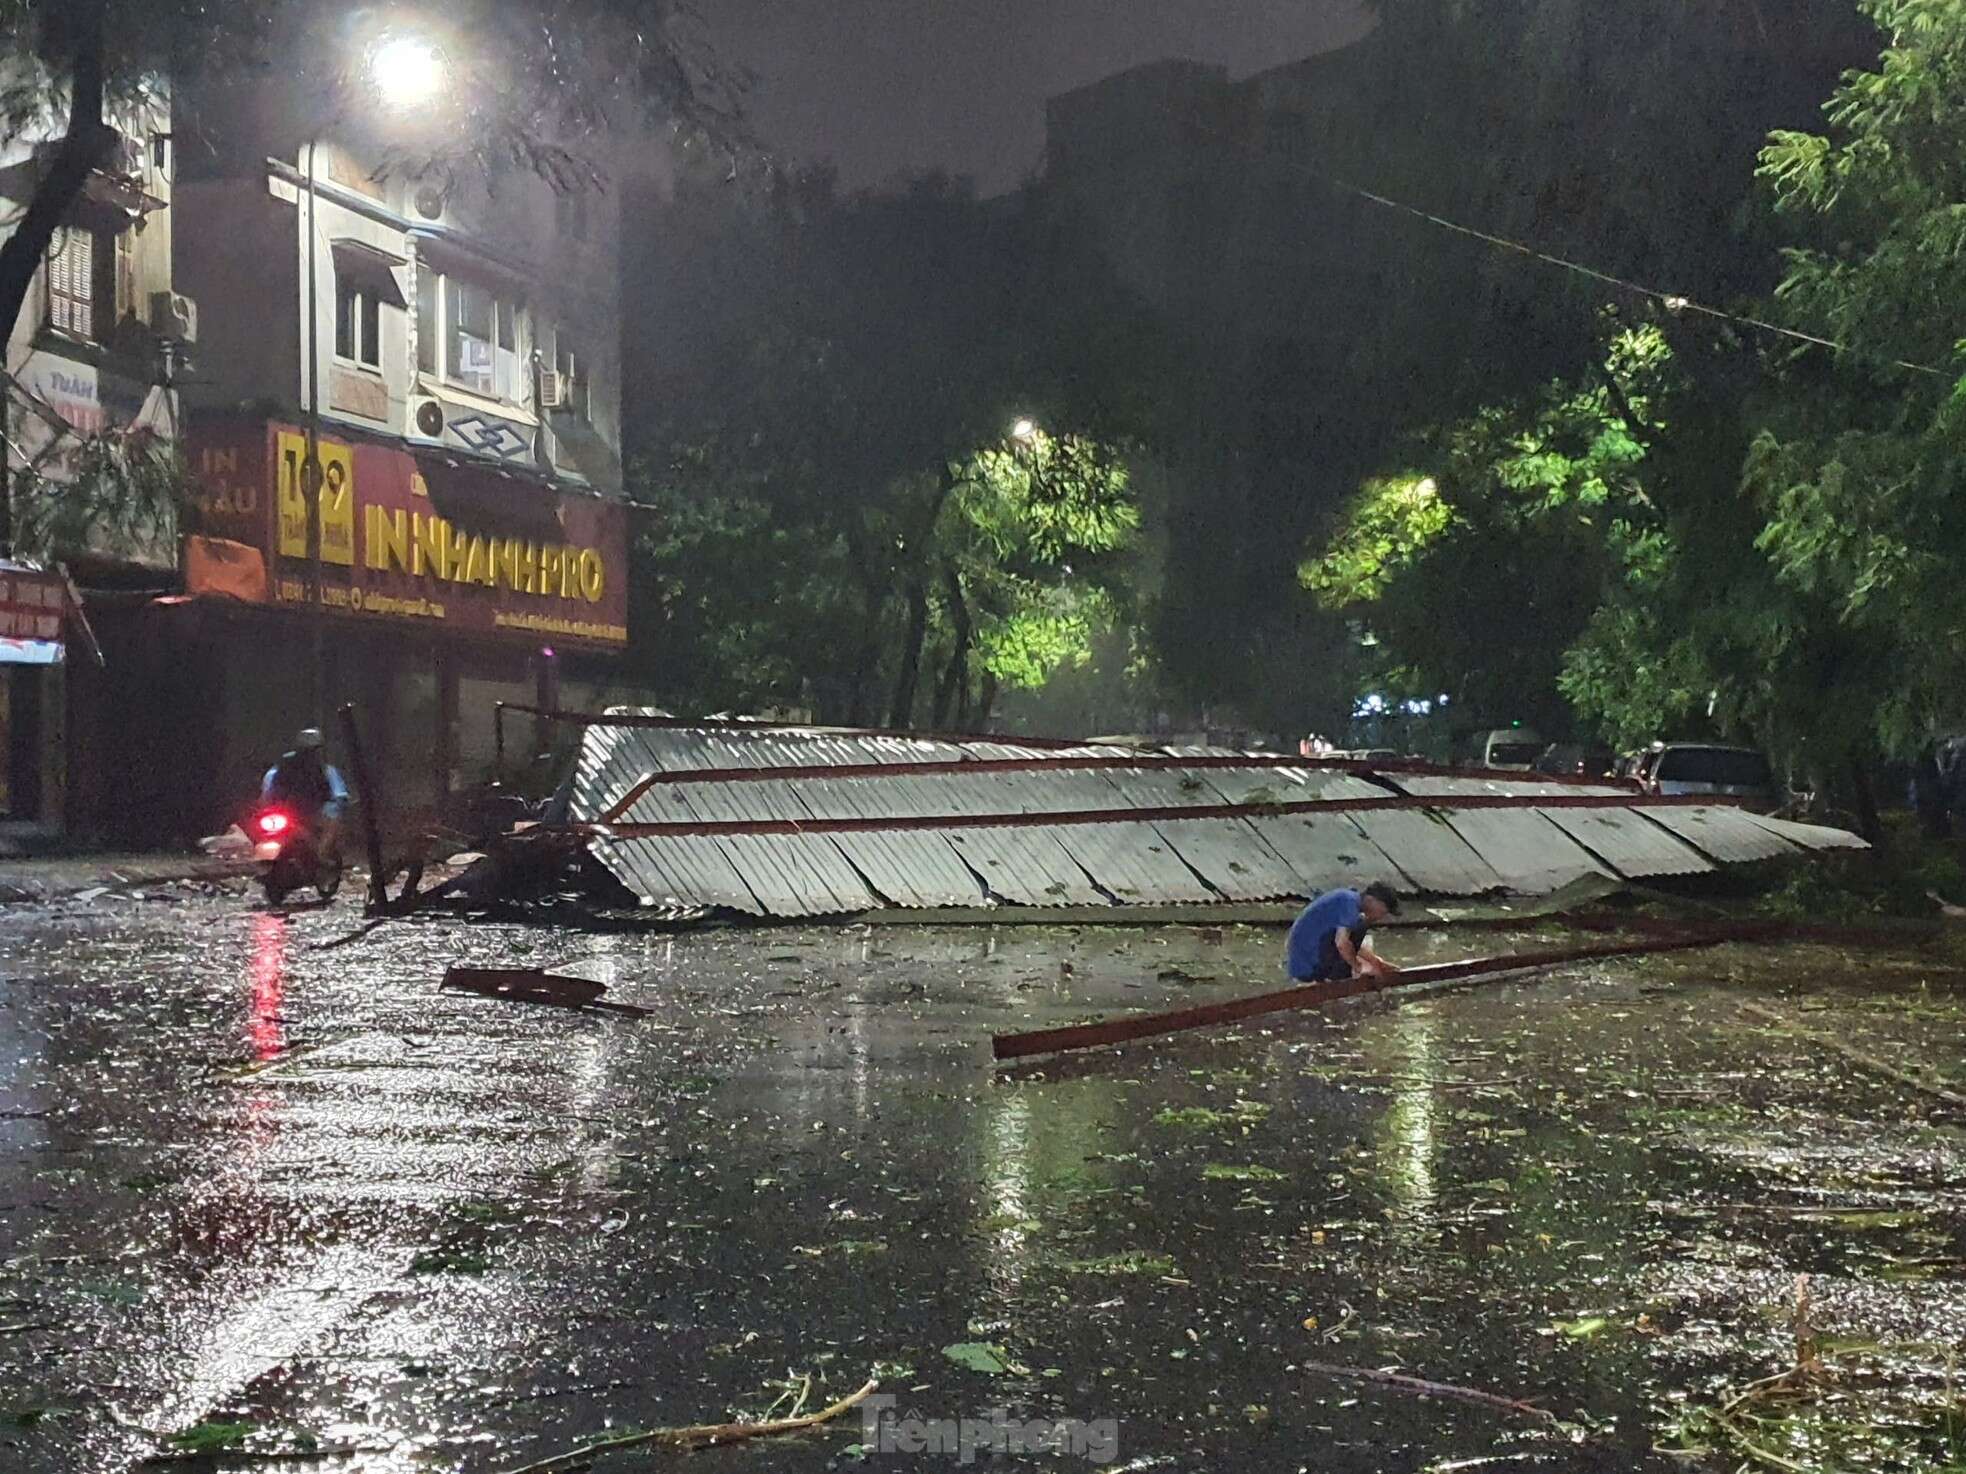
[(924, 399), (1859, 470), (1478, 566), (1326, 329), (534, 82)]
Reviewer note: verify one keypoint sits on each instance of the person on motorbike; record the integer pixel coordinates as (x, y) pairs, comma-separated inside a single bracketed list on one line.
[(305, 781)]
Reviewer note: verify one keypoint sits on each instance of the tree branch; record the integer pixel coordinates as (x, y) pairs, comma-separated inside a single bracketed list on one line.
[(84, 146)]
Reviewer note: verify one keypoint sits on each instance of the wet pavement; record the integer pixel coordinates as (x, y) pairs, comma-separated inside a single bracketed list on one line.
[(254, 1192)]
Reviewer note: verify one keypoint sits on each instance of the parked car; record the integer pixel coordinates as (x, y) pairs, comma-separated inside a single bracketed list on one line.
[(1513, 748), (1576, 760), (1709, 768)]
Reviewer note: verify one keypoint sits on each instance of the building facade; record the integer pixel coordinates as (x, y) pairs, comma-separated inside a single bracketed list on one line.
[(91, 354), (449, 356)]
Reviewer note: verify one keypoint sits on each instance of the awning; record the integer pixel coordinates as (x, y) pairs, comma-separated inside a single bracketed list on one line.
[(483, 499), (448, 253), (107, 201), (362, 265)]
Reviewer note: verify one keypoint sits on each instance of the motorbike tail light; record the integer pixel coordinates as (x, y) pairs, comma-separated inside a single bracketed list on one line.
[(274, 823)]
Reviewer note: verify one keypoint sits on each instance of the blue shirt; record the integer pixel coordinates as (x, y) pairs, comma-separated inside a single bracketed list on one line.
[(337, 789), (1316, 925)]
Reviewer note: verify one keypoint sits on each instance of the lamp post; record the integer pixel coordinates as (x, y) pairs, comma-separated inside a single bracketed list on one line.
[(310, 471)]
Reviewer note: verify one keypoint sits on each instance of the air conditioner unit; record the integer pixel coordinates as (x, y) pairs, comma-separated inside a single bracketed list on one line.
[(554, 391), (428, 202), (175, 316), (427, 418)]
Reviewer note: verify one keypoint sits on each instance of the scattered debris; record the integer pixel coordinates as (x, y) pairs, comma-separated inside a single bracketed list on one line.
[(1418, 1387), (1917, 1077), (231, 845), (704, 1435), (535, 985)]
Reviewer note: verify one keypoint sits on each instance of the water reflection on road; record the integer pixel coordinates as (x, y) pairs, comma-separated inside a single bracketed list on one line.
[(248, 1180)]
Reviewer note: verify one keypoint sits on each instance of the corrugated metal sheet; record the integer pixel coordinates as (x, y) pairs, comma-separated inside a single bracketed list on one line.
[(911, 867), (1628, 843), (1232, 856), (796, 874), (1027, 867), (1241, 856), (1521, 844), (1722, 833), (678, 872), (1809, 836), (1436, 785), (1134, 863), (1428, 851), (1324, 850)]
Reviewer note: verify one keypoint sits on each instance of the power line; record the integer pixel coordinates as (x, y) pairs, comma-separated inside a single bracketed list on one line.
[(1671, 301)]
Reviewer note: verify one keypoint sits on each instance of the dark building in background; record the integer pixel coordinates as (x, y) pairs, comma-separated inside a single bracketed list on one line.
[(1323, 327)]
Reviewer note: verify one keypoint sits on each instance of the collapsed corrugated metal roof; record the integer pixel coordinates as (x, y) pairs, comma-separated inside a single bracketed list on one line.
[(792, 822)]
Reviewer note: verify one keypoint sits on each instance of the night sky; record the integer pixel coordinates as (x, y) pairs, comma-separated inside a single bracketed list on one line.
[(888, 87)]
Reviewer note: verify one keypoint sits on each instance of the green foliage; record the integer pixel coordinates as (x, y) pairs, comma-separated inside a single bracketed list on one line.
[(842, 517), (1856, 470), (213, 1437), (1597, 555), (114, 494), (1476, 575)]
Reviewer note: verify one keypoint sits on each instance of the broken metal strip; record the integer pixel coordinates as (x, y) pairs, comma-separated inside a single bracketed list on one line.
[(1139, 762), (1129, 816), (1147, 1025)]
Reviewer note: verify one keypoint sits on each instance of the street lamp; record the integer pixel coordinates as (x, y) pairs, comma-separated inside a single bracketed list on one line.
[(405, 70), (1025, 429)]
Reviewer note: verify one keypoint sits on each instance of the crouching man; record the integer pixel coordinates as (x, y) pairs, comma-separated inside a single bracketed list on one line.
[(1327, 941)]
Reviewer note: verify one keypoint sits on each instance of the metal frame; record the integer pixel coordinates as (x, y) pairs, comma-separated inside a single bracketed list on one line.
[(1135, 816)]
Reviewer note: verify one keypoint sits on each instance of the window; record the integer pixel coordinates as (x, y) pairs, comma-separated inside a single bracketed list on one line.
[(89, 281), (481, 340), (357, 324)]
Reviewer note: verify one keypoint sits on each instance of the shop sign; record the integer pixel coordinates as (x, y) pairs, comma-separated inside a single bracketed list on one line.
[(387, 552)]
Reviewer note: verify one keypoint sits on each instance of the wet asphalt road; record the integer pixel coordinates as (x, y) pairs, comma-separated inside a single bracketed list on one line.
[(247, 1181)]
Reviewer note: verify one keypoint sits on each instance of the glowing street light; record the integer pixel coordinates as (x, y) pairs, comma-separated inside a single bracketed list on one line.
[(1025, 430), (405, 70)]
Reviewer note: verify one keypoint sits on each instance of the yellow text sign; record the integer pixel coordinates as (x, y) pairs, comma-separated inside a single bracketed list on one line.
[(337, 499)]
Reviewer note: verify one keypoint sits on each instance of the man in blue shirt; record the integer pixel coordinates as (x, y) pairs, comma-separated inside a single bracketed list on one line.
[(1327, 941)]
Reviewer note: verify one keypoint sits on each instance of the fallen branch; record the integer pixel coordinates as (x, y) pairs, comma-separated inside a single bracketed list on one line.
[(356, 935), (1312, 995), (1855, 1055), (703, 1435), (1418, 1387)]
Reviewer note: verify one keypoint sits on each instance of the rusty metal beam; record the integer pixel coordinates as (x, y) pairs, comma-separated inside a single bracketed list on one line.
[(1168, 814), (1140, 762), (1311, 995)]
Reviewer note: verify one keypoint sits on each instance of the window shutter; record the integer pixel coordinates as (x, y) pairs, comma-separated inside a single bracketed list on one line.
[(71, 284)]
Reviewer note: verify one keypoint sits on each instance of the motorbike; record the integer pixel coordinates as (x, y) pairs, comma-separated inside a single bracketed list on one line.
[(287, 852)]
